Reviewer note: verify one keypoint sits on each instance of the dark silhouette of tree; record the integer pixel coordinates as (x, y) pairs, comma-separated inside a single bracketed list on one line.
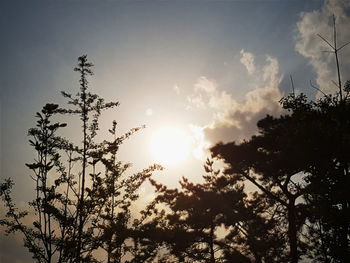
[(327, 177), (83, 193), (119, 230), (269, 161), (217, 222), (301, 161), (88, 107), (302, 155), (40, 239)]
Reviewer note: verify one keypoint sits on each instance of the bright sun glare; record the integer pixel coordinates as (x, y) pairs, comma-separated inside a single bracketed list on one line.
[(170, 145)]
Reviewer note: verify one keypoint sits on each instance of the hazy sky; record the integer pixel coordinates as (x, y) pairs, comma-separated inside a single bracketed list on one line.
[(209, 68)]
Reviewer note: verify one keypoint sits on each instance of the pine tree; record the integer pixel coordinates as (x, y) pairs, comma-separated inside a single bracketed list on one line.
[(194, 214)]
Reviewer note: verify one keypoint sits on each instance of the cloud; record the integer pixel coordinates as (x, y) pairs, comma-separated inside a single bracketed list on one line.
[(200, 143), (239, 123), (309, 45), (207, 95), (247, 60), (232, 119)]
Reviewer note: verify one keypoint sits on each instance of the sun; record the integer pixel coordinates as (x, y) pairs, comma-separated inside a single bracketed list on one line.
[(170, 146)]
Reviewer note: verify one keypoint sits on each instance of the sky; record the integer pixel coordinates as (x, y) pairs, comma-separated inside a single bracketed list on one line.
[(204, 70)]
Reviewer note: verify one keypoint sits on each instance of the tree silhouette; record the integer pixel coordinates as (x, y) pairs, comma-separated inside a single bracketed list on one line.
[(88, 106), (83, 195), (302, 155), (217, 222), (119, 231), (268, 162), (301, 161), (328, 174), (40, 239)]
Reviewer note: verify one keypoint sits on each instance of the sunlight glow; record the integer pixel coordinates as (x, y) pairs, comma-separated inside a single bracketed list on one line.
[(170, 146)]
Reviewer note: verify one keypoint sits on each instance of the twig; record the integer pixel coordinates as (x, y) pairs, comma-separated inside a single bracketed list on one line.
[(344, 46), (291, 80), (335, 83), (325, 40), (313, 86)]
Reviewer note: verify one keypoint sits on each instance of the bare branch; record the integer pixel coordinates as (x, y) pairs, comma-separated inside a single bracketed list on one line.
[(343, 45), (334, 34), (335, 83), (325, 40), (291, 80), (313, 86), (263, 189)]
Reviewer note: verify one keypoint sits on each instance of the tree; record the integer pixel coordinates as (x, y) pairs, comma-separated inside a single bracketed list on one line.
[(119, 231), (83, 195), (328, 173), (302, 155), (40, 239), (88, 106), (269, 161), (216, 221)]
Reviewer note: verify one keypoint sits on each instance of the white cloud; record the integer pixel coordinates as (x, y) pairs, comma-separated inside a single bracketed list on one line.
[(206, 94), (231, 119), (200, 143), (247, 60), (239, 122), (311, 46), (270, 72)]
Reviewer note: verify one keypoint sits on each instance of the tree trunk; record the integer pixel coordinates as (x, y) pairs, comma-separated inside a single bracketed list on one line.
[(292, 233), (212, 251), (344, 241)]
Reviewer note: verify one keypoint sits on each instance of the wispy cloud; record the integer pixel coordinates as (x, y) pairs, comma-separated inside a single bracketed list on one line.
[(311, 46), (247, 60)]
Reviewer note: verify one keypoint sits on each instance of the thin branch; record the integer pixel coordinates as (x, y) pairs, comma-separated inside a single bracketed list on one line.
[(334, 34), (343, 45), (325, 40), (291, 80), (336, 59), (335, 83), (313, 86), (274, 213), (264, 190)]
